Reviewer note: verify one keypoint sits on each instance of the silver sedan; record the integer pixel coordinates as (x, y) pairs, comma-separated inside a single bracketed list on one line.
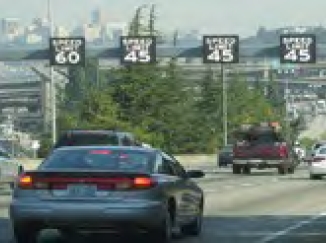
[(96, 188)]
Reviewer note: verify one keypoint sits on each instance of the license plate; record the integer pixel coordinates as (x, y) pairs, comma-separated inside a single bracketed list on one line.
[(81, 190)]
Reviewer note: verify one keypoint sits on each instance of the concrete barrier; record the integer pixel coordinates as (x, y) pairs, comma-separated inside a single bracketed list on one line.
[(186, 160)]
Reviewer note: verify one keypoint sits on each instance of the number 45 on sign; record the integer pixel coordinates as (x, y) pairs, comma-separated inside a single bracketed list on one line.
[(141, 56), (224, 55), (302, 55)]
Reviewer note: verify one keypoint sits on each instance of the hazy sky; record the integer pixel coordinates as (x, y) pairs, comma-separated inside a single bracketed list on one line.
[(210, 16)]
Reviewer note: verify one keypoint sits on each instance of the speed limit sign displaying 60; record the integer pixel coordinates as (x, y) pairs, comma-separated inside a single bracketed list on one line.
[(67, 51), (221, 49), (299, 48)]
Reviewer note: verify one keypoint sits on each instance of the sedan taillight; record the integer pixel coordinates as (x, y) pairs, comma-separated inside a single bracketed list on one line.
[(25, 182)]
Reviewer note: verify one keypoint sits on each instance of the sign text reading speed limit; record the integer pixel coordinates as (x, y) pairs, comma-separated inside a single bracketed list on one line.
[(138, 49), (67, 51), (221, 49), (298, 48)]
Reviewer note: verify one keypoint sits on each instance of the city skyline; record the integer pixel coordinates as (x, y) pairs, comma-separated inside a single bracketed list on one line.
[(211, 16)]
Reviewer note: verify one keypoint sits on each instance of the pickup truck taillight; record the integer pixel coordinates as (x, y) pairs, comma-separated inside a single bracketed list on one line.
[(283, 151), (237, 152)]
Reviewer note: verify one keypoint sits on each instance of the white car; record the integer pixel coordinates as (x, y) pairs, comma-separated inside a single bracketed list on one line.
[(10, 168), (317, 164)]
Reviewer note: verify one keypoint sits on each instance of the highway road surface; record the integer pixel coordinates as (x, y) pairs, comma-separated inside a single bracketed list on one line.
[(260, 208)]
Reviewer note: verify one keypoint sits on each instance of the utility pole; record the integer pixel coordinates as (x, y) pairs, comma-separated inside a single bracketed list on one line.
[(225, 105), (52, 83)]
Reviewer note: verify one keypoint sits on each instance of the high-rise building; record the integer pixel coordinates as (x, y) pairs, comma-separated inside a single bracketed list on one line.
[(98, 17), (38, 32), (114, 30), (61, 31), (10, 29)]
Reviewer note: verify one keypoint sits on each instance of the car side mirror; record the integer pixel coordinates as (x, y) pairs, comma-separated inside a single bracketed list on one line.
[(195, 174)]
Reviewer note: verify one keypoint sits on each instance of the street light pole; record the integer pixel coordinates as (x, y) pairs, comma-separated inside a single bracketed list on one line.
[(225, 105), (287, 117), (52, 83)]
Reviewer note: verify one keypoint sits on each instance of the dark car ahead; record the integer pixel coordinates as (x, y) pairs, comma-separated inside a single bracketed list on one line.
[(225, 156), (107, 188), (80, 137)]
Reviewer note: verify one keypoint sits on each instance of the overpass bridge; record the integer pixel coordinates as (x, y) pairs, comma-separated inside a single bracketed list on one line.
[(24, 94), (24, 72)]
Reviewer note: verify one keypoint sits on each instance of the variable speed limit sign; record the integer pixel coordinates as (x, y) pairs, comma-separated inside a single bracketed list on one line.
[(298, 48), (67, 51), (221, 49), (138, 49)]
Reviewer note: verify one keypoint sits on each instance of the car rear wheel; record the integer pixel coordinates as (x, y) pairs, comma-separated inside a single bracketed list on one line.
[(195, 227), (164, 233), (247, 170), (282, 170), (25, 234), (291, 170), (236, 169), (316, 177)]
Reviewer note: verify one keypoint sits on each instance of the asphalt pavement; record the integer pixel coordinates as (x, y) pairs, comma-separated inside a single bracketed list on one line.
[(263, 207)]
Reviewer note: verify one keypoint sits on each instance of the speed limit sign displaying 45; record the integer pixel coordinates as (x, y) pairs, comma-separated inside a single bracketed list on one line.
[(67, 51), (221, 49), (138, 49), (298, 48)]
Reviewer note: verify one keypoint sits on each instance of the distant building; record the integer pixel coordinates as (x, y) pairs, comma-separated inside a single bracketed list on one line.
[(98, 17), (38, 32), (91, 32), (113, 31), (61, 31), (10, 29)]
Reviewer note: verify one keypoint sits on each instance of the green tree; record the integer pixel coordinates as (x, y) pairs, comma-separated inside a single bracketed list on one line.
[(209, 110), (136, 26)]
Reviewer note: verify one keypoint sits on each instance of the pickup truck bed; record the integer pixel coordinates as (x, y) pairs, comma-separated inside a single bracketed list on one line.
[(263, 155)]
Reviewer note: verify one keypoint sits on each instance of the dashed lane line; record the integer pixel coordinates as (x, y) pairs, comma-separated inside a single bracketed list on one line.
[(289, 229)]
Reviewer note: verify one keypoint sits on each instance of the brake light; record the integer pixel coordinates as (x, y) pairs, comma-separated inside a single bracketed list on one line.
[(25, 182), (283, 151), (143, 182), (103, 152), (127, 183), (237, 152), (57, 183)]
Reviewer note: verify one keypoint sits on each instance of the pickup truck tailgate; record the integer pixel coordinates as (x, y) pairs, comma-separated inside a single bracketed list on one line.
[(261, 151)]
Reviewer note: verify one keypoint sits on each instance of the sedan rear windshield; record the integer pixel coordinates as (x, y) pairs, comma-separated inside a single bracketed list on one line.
[(99, 159)]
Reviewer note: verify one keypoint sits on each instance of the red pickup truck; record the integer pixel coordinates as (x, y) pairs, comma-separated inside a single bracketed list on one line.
[(262, 146)]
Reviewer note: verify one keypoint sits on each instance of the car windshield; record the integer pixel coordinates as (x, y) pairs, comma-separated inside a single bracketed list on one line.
[(321, 151), (227, 149), (99, 159), (261, 138)]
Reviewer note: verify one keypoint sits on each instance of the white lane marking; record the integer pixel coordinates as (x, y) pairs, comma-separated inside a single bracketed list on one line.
[(210, 190), (287, 230), (247, 184)]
